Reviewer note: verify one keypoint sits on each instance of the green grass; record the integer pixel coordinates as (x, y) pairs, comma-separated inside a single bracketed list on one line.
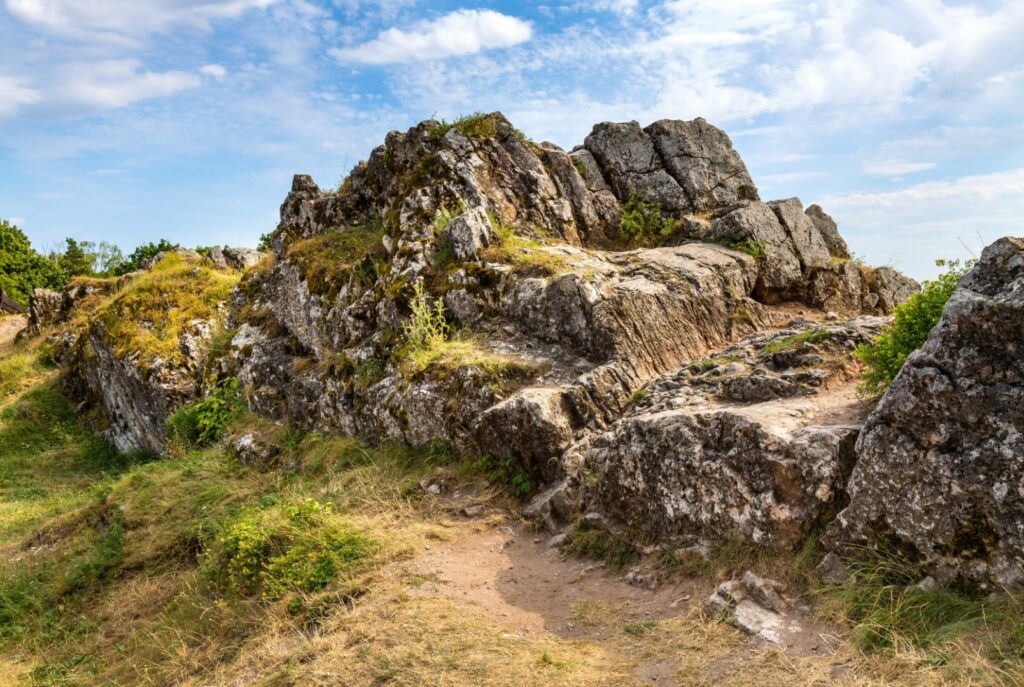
[(786, 343), (887, 610), (527, 256), (642, 223)]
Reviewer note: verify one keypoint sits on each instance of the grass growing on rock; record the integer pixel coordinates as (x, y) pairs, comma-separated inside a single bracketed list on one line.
[(813, 335), (148, 314), (331, 260), (527, 256)]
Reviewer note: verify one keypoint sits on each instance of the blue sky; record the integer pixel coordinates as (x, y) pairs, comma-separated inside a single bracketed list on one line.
[(131, 120)]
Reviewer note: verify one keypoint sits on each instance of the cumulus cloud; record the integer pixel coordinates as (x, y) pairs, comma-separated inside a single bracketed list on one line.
[(126, 17), (463, 32), (116, 83), (14, 94)]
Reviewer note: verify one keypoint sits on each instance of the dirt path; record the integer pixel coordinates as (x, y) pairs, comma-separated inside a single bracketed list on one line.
[(515, 575)]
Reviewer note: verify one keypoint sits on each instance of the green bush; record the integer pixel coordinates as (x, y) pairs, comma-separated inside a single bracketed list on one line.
[(642, 222), (914, 319), (203, 423), (507, 472), (282, 548), (22, 268)]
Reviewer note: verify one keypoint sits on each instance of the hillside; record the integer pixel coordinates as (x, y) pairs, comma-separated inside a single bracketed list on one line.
[(494, 413)]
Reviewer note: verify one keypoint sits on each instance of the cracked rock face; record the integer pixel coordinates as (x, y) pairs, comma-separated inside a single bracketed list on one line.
[(940, 462)]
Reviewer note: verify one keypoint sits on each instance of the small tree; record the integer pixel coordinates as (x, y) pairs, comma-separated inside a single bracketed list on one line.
[(913, 321)]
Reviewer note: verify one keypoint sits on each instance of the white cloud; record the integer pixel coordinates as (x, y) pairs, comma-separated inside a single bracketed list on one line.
[(895, 168), (14, 94), (126, 17), (215, 70), (914, 225), (463, 32), (116, 83)]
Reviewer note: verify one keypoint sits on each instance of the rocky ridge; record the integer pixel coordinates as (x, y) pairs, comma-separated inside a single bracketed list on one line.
[(689, 380)]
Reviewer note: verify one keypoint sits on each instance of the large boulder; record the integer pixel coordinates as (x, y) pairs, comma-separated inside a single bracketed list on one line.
[(940, 462)]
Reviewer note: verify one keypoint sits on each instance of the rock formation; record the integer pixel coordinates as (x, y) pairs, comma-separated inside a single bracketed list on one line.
[(940, 462), (468, 286)]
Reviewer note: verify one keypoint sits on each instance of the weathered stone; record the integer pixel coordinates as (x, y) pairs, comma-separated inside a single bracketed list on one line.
[(253, 449), (539, 421), (829, 232), (216, 258), (940, 462), (810, 247), (241, 258), (469, 233), (45, 308), (630, 163), (700, 157), (780, 272), (753, 605)]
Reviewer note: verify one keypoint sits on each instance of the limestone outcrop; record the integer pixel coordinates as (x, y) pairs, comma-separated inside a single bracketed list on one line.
[(627, 321), (940, 462)]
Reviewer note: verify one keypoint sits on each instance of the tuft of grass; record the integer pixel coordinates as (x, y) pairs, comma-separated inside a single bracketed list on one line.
[(339, 257), (888, 609), (751, 248), (616, 551), (913, 321), (205, 421), (813, 335), (478, 125), (509, 473), (526, 255), (285, 547)]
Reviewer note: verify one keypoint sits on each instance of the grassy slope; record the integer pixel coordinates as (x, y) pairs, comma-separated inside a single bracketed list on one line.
[(107, 576)]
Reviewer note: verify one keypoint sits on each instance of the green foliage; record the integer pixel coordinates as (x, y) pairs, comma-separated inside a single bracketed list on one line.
[(507, 472), (581, 168), (751, 248), (22, 268), (85, 258), (913, 321), (603, 545), (204, 422), (273, 550), (426, 326), (642, 222), (141, 254), (265, 242), (638, 395), (812, 335)]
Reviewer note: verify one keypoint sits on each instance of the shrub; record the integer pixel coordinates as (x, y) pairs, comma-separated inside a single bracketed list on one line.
[(203, 423), (597, 543), (273, 550), (426, 327), (642, 222), (914, 319)]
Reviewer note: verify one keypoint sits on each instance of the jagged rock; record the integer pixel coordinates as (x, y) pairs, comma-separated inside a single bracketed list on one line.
[(780, 272), (940, 462), (539, 419), (809, 245), (186, 253), (253, 449), (630, 162), (753, 605), (45, 308), (469, 233), (700, 157), (829, 232), (216, 256)]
